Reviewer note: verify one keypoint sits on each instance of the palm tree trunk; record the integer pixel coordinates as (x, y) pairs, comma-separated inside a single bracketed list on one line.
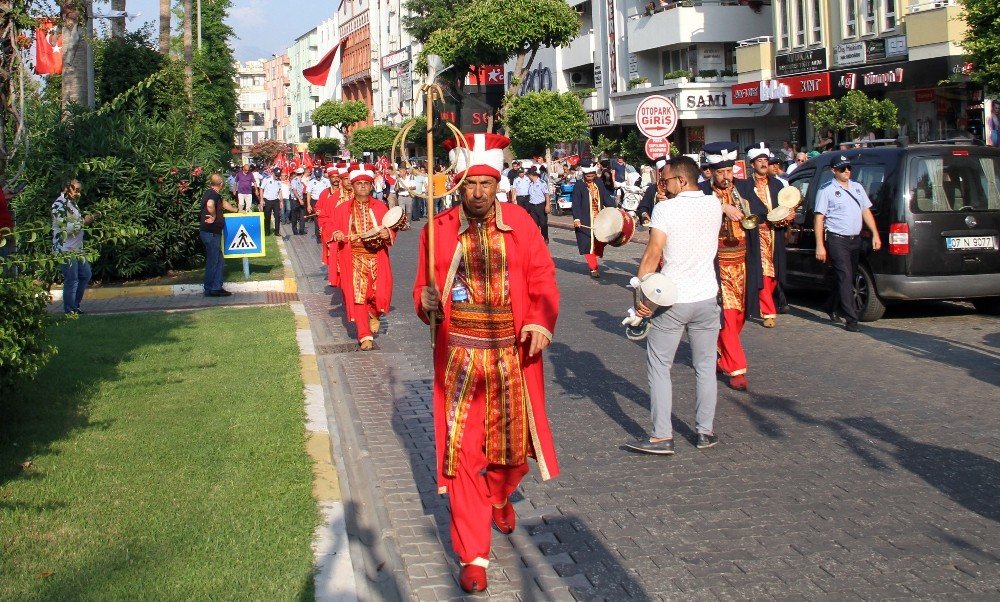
[(76, 72), (118, 24), (165, 27), (188, 48)]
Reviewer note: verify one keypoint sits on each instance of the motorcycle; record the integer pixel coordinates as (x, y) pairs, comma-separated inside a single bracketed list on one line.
[(564, 201), (629, 197)]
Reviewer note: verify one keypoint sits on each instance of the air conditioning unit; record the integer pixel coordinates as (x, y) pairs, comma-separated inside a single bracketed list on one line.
[(580, 78)]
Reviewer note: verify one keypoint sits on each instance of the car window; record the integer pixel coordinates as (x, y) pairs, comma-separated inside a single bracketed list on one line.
[(872, 177), (953, 182), (801, 180)]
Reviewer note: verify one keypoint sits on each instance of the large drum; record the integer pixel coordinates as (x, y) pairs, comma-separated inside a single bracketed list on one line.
[(395, 219), (790, 197), (614, 226)]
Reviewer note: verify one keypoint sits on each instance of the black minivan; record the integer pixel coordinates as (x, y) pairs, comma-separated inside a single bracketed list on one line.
[(937, 207)]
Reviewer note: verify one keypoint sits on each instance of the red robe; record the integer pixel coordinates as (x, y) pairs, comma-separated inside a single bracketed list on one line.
[(324, 207), (383, 283), (534, 298)]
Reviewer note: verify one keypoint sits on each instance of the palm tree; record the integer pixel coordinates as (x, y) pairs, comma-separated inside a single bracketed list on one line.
[(118, 24), (164, 27), (188, 48), (75, 50)]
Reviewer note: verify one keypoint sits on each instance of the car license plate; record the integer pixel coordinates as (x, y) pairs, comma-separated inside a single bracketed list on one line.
[(971, 242)]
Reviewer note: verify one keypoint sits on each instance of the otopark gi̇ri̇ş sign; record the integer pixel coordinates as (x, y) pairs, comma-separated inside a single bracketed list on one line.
[(656, 117)]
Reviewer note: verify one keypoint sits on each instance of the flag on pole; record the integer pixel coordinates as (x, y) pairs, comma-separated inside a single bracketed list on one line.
[(318, 73), (48, 48)]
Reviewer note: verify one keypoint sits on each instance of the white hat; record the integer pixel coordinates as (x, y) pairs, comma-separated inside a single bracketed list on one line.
[(758, 151), (587, 166), (484, 157), (364, 173)]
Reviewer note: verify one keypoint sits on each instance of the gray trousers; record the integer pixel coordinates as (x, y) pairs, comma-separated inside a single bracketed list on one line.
[(701, 319)]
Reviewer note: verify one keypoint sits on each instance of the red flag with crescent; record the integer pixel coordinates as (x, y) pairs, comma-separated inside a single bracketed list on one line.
[(48, 48)]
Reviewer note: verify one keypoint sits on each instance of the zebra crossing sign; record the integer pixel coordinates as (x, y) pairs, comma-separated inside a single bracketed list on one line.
[(243, 235)]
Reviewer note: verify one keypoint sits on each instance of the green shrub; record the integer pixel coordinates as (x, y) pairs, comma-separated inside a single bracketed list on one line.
[(24, 347)]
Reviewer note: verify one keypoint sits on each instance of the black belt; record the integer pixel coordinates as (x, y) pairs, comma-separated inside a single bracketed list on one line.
[(851, 237)]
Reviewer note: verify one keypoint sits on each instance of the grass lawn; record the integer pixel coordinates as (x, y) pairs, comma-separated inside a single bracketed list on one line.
[(160, 456), (268, 267)]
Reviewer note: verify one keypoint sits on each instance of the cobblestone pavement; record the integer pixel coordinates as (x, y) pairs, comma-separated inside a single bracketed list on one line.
[(858, 466), (175, 302)]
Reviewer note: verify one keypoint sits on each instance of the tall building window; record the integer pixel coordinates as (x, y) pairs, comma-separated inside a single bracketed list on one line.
[(890, 14), (850, 18), (781, 23), (817, 22), (867, 17), (675, 60), (800, 22)]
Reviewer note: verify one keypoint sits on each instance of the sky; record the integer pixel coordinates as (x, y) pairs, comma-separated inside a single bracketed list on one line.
[(263, 27)]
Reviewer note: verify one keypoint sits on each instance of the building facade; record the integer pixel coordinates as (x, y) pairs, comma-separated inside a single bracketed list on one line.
[(909, 53), (276, 108), (395, 88), (357, 55), (251, 100)]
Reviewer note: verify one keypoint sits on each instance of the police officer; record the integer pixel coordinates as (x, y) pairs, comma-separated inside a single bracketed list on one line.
[(539, 201), (841, 207), (270, 190), (317, 185)]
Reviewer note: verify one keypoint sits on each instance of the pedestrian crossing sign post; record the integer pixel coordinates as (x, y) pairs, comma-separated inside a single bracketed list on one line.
[(243, 237)]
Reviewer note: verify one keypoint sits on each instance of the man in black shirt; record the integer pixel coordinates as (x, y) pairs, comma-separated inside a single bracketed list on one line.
[(213, 209)]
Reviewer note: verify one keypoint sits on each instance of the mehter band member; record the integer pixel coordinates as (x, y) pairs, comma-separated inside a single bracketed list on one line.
[(497, 309), (590, 195)]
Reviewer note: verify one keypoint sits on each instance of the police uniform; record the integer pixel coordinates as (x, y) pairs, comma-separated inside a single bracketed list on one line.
[(843, 210), (270, 189)]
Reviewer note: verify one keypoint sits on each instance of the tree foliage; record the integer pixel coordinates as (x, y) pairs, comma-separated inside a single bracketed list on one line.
[(856, 114), (24, 348), (264, 152), (982, 40), (538, 120), (122, 62), (324, 146), (214, 92), (340, 114), (427, 16), (374, 138)]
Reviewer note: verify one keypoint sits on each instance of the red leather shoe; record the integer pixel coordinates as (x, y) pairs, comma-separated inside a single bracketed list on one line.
[(738, 382), (472, 578), (504, 518)]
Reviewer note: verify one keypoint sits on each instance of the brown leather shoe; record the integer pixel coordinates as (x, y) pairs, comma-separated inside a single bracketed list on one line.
[(367, 345), (374, 324), (472, 578), (770, 323), (504, 518), (595, 274)]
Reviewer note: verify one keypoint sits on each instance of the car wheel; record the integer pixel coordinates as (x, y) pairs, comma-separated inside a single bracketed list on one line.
[(870, 307), (987, 305)]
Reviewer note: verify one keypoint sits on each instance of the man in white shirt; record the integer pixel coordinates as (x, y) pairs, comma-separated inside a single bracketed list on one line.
[(519, 188), (684, 233)]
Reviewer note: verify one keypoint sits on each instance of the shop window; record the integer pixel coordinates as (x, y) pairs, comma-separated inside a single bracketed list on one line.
[(675, 60), (800, 22), (730, 56), (850, 19), (817, 22), (695, 139)]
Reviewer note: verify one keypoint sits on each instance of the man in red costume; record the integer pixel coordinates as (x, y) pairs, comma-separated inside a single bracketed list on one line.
[(323, 207), (496, 300), (363, 256), (589, 197)]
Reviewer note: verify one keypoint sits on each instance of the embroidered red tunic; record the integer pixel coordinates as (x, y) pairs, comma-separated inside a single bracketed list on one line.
[(361, 268), (764, 228), (732, 255), (533, 299)]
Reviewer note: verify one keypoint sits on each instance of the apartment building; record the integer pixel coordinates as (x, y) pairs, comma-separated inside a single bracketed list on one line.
[(276, 107), (357, 54), (250, 106), (685, 50), (906, 51), (395, 88)]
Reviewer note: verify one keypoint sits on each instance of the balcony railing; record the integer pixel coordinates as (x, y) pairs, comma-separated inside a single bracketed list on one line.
[(646, 8), (930, 5)]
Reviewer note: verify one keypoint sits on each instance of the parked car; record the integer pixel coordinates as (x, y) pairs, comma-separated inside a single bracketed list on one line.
[(937, 208)]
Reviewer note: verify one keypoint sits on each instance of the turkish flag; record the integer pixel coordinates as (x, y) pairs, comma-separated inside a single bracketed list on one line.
[(307, 161), (48, 49), (318, 73)]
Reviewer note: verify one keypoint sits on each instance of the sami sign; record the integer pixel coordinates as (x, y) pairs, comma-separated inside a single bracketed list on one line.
[(656, 116), (815, 85), (243, 235), (657, 147)]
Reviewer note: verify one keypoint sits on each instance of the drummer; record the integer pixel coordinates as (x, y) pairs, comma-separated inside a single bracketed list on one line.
[(363, 253), (589, 197), (732, 268), (761, 190)]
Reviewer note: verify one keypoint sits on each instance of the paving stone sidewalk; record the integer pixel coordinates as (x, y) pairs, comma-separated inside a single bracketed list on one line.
[(858, 467)]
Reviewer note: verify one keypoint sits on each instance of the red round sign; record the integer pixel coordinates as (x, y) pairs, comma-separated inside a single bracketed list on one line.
[(656, 116), (657, 147)]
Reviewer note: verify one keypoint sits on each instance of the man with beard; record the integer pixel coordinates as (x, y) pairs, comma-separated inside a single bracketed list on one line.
[(496, 308), (589, 197)]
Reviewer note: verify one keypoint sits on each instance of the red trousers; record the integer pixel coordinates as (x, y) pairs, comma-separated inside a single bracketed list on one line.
[(732, 359), (476, 487), (768, 309), (360, 312), (592, 257)]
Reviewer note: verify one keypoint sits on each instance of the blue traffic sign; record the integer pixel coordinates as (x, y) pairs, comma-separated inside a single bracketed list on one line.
[(243, 235)]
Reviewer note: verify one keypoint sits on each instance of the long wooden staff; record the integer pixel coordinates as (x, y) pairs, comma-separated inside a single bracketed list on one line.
[(429, 113)]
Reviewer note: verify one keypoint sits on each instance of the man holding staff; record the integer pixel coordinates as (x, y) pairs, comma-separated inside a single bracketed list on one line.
[(589, 196), (497, 307)]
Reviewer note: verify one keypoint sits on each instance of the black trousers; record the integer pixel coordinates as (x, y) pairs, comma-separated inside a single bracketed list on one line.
[(316, 228), (298, 218), (541, 218), (522, 200), (272, 210), (843, 253)]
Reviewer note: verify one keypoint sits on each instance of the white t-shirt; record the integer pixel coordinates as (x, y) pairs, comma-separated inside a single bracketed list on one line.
[(503, 188), (691, 221)]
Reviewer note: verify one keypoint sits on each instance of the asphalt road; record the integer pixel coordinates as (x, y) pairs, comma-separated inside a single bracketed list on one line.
[(857, 466)]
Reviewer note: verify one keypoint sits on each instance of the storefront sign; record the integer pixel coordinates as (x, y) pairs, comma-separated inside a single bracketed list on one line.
[(598, 77), (598, 118), (656, 117), (800, 62), (852, 53), (612, 13), (870, 79), (926, 95), (395, 58), (633, 65), (816, 85), (405, 83), (704, 101), (657, 147)]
